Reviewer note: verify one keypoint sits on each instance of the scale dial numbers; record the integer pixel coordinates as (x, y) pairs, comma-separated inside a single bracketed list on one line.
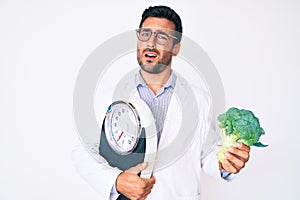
[(122, 127)]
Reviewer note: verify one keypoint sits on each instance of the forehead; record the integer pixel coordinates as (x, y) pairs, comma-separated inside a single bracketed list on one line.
[(158, 23)]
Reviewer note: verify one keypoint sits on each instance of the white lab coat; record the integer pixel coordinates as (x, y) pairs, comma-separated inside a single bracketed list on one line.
[(179, 179)]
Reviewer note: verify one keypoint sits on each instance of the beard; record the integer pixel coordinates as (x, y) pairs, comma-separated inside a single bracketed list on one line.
[(159, 66)]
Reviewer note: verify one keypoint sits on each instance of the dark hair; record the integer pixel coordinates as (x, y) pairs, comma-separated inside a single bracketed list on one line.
[(167, 13)]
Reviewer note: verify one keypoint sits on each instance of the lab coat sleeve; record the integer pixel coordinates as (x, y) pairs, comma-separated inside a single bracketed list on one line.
[(97, 173), (210, 138), (209, 161)]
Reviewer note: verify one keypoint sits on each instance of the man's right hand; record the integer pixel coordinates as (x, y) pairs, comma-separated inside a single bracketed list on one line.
[(132, 186)]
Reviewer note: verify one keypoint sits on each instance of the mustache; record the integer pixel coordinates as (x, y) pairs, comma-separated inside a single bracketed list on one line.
[(151, 50)]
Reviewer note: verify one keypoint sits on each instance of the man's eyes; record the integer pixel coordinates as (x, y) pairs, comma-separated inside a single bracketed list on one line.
[(162, 36), (159, 35), (145, 34)]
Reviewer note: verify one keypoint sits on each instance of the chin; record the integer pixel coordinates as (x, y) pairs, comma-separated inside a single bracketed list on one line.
[(156, 69)]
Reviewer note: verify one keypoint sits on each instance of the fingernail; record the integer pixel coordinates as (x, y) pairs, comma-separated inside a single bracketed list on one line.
[(239, 145), (227, 155), (230, 149)]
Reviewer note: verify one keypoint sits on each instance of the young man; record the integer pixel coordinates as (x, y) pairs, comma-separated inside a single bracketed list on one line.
[(159, 37)]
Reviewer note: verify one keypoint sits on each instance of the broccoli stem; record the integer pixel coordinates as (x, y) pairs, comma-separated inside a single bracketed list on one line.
[(227, 141)]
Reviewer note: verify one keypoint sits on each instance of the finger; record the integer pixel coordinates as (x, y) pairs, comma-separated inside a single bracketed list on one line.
[(146, 194), (138, 168), (243, 155), (236, 161), (229, 167), (243, 147), (147, 184), (150, 182)]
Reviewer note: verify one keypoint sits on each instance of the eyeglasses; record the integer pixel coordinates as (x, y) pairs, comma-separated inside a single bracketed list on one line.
[(161, 38)]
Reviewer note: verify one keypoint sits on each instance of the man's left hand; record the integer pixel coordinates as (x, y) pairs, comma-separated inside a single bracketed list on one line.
[(236, 158)]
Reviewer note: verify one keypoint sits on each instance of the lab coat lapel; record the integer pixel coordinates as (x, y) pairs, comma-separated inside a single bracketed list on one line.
[(173, 118)]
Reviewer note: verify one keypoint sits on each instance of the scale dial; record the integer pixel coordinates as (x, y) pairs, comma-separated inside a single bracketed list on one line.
[(122, 127)]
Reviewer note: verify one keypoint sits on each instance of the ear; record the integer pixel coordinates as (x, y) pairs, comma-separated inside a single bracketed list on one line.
[(176, 49)]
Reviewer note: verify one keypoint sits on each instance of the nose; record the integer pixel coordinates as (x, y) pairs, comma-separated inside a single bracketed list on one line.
[(151, 42)]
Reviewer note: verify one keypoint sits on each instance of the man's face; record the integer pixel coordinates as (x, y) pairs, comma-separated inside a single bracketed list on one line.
[(152, 56)]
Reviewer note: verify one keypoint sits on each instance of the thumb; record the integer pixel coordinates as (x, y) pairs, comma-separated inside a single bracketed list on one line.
[(138, 168)]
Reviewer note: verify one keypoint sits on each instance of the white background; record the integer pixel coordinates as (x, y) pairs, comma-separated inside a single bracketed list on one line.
[(254, 45)]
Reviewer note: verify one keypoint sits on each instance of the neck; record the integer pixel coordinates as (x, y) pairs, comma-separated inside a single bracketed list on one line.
[(156, 81)]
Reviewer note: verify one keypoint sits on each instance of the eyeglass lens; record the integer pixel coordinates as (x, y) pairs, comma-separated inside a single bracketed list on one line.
[(145, 34)]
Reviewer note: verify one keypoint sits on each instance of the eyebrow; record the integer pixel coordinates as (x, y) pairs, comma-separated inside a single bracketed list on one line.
[(161, 32), (146, 29), (157, 31)]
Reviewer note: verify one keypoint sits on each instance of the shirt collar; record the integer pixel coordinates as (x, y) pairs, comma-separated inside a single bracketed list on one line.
[(170, 83)]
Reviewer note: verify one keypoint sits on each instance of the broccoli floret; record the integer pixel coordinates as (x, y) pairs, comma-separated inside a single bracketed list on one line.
[(239, 126)]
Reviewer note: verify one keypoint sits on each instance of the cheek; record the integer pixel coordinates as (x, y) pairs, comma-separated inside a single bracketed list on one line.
[(141, 45), (164, 48), (165, 53), (139, 53)]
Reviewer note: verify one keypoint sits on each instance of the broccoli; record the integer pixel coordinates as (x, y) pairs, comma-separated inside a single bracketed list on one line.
[(239, 126)]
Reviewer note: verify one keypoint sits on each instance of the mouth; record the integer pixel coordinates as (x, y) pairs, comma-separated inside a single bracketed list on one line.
[(150, 56)]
